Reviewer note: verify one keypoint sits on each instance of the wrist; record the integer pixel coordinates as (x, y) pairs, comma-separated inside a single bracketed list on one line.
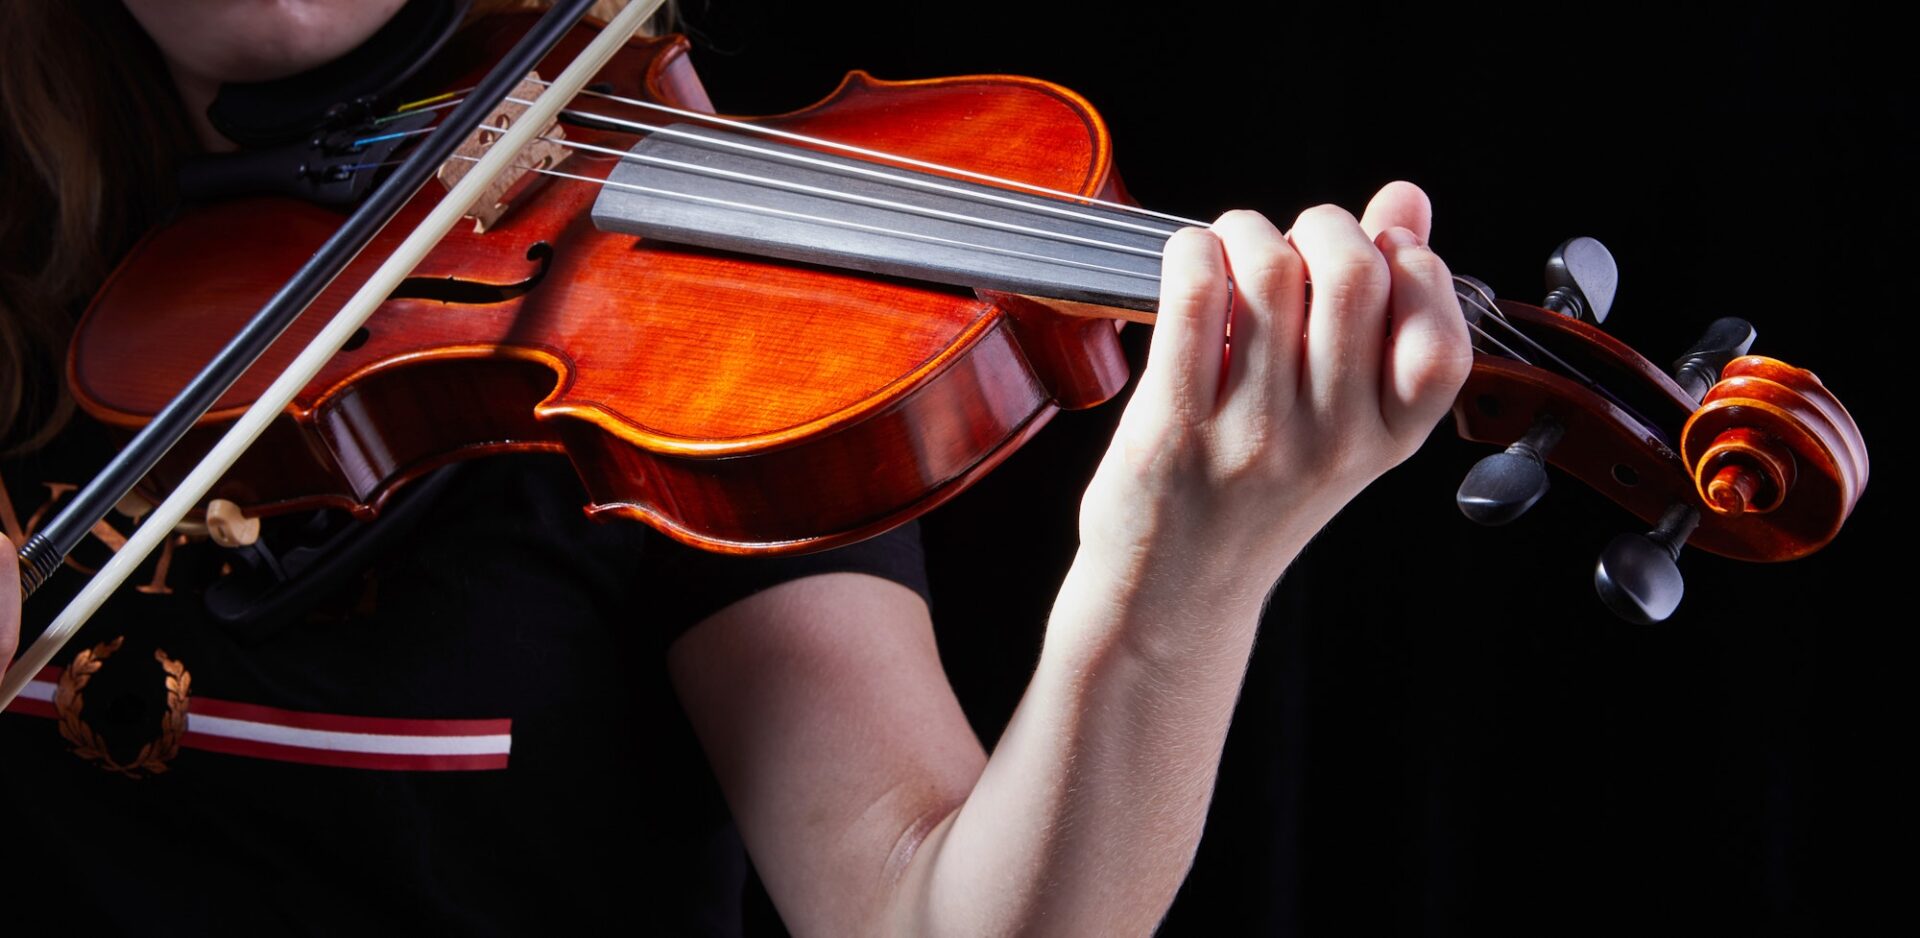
[(1168, 613), (1188, 561)]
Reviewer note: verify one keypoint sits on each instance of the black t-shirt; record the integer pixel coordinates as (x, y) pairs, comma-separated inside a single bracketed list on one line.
[(471, 731)]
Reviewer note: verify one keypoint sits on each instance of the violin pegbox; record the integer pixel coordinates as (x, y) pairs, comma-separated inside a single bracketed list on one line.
[(543, 153), (1581, 278), (1734, 454)]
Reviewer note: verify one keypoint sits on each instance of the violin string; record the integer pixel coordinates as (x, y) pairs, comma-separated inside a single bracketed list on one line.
[(904, 207), (618, 124), (396, 135), (43, 552), (1524, 339), (1481, 296), (1488, 303), (835, 194), (1504, 349), (745, 127), (1476, 295), (716, 120), (1496, 343), (421, 107), (831, 222), (356, 167), (1500, 346), (1545, 353), (767, 210), (875, 172), (592, 180)]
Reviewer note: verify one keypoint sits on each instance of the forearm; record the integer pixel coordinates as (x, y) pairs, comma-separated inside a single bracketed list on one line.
[(1087, 816)]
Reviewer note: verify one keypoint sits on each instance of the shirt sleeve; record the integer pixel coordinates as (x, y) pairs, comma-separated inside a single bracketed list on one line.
[(691, 584)]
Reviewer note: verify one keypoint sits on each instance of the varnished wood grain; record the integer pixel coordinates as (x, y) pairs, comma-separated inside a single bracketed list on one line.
[(735, 403), (1780, 424), (748, 405)]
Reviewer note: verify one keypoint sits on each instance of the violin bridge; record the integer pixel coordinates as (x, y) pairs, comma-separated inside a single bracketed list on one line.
[(540, 154)]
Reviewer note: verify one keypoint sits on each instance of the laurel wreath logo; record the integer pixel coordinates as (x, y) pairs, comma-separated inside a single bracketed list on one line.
[(69, 700)]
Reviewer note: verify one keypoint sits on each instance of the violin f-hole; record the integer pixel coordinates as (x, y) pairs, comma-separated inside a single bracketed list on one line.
[(473, 292)]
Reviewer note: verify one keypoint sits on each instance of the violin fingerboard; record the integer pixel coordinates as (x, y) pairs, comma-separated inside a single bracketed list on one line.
[(732, 192)]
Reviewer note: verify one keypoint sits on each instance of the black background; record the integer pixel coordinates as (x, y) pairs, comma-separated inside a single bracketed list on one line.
[(1442, 732)]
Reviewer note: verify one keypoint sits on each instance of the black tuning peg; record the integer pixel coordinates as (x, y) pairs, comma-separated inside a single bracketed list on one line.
[(1504, 485), (1727, 339), (1637, 576), (1581, 280)]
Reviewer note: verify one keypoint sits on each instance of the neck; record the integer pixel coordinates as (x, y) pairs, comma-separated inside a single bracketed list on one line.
[(196, 95)]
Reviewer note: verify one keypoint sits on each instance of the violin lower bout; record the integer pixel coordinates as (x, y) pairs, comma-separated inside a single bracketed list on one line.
[(822, 483), (832, 486)]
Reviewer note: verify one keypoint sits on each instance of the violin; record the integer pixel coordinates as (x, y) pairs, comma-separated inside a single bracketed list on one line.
[(787, 333)]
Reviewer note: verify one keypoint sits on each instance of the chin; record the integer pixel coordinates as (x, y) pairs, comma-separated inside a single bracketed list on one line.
[(258, 40)]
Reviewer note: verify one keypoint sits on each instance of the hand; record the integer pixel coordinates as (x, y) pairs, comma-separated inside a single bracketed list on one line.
[(1222, 469)]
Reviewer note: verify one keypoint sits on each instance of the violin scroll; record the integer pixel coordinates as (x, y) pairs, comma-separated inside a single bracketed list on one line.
[(1770, 446), (1736, 454)]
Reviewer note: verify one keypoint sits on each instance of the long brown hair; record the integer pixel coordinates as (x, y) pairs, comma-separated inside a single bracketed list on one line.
[(93, 131)]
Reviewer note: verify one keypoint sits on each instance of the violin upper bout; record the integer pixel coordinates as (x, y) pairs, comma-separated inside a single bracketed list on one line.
[(1009, 126)]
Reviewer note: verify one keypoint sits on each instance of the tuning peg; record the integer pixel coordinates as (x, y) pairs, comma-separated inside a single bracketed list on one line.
[(1637, 576), (1504, 485), (1727, 339), (1581, 280)]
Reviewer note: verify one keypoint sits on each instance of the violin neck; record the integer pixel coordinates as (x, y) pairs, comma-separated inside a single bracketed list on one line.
[(731, 192)]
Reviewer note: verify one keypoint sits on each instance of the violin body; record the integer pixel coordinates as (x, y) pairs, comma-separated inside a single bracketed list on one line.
[(736, 404), (747, 405)]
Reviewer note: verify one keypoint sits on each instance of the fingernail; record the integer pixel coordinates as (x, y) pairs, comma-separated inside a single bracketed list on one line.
[(1402, 238)]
